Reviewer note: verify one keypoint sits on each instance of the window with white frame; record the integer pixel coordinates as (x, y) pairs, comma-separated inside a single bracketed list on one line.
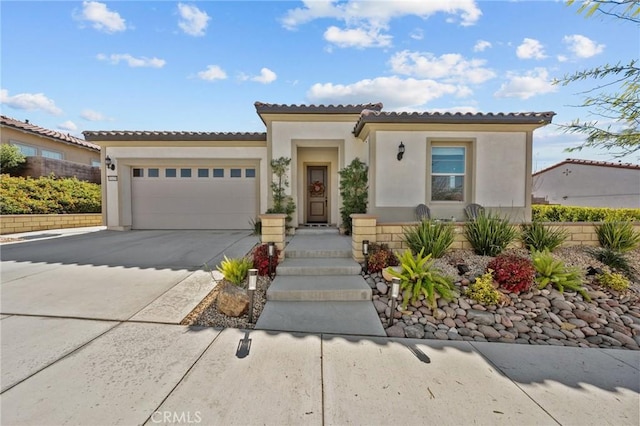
[(448, 170), (26, 150), (52, 154)]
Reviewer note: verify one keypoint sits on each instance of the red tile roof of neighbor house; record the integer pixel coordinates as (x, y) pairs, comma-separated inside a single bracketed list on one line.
[(27, 127), (144, 135), (373, 116), (618, 165)]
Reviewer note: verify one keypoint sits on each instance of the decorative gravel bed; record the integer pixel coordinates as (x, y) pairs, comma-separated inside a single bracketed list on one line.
[(206, 313), (538, 317)]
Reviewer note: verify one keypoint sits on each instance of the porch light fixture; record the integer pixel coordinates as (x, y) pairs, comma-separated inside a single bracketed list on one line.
[(253, 285), (365, 253), (400, 151), (109, 163), (271, 252), (395, 292)]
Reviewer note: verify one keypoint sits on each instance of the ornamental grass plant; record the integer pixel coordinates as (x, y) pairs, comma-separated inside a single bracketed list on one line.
[(490, 234), (434, 237), (537, 236)]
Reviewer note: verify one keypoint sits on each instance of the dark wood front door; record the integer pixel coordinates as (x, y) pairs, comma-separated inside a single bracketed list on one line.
[(317, 194)]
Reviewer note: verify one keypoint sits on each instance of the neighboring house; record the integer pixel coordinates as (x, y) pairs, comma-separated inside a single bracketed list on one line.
[(589, 183), (210, 180)]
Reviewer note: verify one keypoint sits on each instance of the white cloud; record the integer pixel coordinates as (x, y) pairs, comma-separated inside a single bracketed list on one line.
[(562, 58), (29, 102), (91, 115), (193, 20), (582, 47), (213, 72), (366, 21), (481, 46), (101, 18), (378, 12), (68, 125), (450, 67), (417, 34), (530, 49), (266, 76), (396, 93), (357, 37), (132, 61), (534, 82)]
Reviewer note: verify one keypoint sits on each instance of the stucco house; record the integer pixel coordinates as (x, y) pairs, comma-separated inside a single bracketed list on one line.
[(574, 182), (50, 150), (211, 180)]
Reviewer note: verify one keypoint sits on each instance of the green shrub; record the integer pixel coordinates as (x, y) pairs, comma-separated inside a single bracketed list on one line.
[(490, 234), (419, 277), (614, 260), (433, 237), (617, 236), (554, 272), (613, 281), (11, 159), (235, 270), (545, 213), (354, 191), (483, 291), (48, 195), (539, 237)]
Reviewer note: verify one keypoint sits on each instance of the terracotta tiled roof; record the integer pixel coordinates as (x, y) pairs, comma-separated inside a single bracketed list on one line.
[(47, 133), (590, 163), (133, 135), (315, 109), (372, 116)]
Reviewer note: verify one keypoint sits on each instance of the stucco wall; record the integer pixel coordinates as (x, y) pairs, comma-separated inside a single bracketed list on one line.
[(588, 185), (37, 222), (71, 152), (118, 192), (496, 176)]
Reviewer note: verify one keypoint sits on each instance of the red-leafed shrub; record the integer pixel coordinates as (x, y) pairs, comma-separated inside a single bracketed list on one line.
[(381, 257), (513, 273), (261, 259)]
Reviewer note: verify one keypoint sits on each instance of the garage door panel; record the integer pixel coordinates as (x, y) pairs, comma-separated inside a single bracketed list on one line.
[(193, 203)]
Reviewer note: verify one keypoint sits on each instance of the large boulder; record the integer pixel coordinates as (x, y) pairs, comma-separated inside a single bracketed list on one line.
[(233, 301)]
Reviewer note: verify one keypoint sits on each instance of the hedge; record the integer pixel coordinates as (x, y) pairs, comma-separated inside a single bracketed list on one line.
[(546, 213), (47, 195)]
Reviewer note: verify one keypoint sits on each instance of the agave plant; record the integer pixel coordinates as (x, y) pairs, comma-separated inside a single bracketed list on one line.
[(418, 276), (555, 272)]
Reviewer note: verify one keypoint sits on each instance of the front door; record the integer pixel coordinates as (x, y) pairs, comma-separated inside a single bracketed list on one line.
[(317, 193)]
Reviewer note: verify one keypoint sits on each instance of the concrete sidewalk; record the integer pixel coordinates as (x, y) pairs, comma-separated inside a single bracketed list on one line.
[(104, 372)]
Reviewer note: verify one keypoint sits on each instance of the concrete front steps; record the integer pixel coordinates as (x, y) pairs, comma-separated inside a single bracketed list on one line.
[(319, 289)]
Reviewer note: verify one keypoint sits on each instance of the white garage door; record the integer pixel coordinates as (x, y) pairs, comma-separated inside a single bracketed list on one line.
[(193, 197)]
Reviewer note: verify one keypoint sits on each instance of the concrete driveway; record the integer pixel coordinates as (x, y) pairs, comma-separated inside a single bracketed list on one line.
[(106, 275)]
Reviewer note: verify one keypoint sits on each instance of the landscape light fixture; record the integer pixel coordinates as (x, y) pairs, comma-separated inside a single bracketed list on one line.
[(271, 252), (253, 285), (109, 163), (365, 253), (395, 292), (400, 151)]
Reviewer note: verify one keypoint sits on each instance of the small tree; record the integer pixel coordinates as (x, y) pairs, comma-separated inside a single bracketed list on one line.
[(282, 203), (11, 159), (354, 190)]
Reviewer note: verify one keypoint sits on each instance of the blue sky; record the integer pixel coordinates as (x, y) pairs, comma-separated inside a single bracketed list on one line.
[(200, 66)]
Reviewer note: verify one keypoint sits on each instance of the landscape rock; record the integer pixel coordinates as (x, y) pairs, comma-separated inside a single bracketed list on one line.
[(414, 332), (233, 301)]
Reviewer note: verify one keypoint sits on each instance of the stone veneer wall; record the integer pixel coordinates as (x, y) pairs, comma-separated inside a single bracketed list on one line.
[(13, 223), (365, 227), (274, 230)]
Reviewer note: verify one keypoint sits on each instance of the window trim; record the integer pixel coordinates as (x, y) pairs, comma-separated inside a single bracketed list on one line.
[(26, 145), (468, 180)]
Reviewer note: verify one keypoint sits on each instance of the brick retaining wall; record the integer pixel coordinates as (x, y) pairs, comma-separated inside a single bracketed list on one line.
[(365, 227), (13, 223)]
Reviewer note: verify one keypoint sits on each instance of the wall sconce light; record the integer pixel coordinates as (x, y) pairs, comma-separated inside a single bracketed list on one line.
[(395, 292), (271, 252), (400, 151), (109, 163), (253, 285), (365, 253)]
